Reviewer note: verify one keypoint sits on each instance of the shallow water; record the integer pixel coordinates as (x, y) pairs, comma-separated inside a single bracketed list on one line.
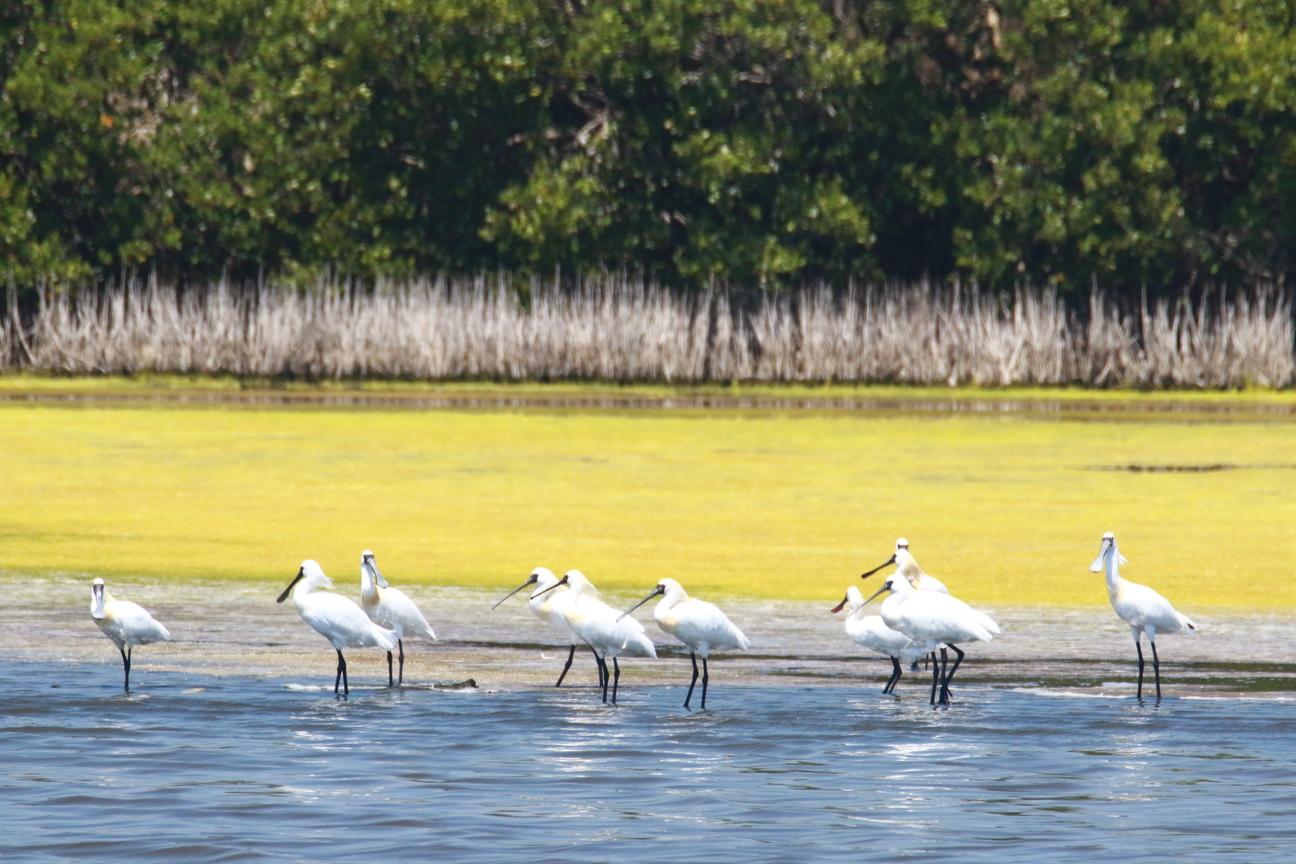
[(206, 768)]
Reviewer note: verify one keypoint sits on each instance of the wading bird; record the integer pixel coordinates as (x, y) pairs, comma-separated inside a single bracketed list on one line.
[(599, 626), (334, 617), (930, 618), (546, 603), (1144, 610), (907, 566), (390, 608), (696, 623), (871, 632), (127, 624)]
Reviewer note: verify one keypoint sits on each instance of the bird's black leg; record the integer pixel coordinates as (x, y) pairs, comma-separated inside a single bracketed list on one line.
[(943, 665), (126, 669), (400, 644), (945, 693), (341, 677), (1156, 668), (389, 670), (567, 665), (1139, 647), (705, 678), (935, 676), (616, 678), (895, 675), (602, 669), (689, 697)]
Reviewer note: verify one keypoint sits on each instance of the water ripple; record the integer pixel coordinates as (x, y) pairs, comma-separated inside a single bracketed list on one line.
[(247, 770)]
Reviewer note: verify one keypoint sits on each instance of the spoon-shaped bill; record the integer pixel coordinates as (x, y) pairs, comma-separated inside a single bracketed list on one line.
[(658, 590), (301, 573), (368, 561), (531, 581), (841, 605), (885, 563)]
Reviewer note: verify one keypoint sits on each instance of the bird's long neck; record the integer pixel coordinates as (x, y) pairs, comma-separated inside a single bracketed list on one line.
[(669, 601), (300, 590), (97, 605), (369, 591), (1112, 570)]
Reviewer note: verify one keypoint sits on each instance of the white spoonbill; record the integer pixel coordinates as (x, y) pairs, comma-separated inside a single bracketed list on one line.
[(127, 624), (600, 627), (334, 617), (546, 604), (907, 566), (1144, 610), (931, 618), (871, 632), (390, 607), (698, 624)]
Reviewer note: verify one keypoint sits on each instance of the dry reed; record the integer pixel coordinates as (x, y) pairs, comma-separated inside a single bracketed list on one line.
[(624, 329)]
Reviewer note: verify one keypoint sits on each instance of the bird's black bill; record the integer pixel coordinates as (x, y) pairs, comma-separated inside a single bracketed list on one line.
[(840, 605), (881, 590), (658, 590), (288, 590), (530, 581), (885, 563), (377, 575), (562, 581)]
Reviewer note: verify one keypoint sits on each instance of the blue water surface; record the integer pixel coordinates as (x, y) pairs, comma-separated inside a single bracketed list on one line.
[(247, 769)]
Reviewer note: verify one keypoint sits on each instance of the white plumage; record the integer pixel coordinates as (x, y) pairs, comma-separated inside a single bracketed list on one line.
[(336, 618), (546, 603), (127, 624), (390, 608), (871, 632), (907, 566), (599, 626), (932, 619), (1144, 610), (699, 625)]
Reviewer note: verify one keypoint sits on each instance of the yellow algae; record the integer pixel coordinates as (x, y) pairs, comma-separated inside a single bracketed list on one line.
[(1005, 508)]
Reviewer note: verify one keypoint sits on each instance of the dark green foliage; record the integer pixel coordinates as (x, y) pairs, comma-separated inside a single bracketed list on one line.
[(758, 142)]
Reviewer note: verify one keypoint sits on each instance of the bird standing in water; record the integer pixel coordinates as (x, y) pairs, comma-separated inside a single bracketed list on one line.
[(871, 632), (334, 617), (1144, 610), (127, 624), (699, 625), (390, 608)]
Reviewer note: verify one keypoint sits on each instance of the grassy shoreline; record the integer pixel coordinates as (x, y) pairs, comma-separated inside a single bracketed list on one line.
[(150, 384)]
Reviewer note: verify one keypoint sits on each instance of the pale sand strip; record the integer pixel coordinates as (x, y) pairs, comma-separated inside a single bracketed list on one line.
[(236, 628)]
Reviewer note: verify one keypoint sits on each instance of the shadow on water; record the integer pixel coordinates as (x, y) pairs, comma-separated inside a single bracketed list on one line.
[(242, 768)]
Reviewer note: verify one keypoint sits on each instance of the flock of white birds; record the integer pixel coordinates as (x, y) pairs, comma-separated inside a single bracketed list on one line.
[(918, 619)]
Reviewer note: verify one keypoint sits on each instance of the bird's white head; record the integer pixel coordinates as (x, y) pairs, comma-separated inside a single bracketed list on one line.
[(671, 591), (902, 543), (368, 565), (893, 585), (576, 582), (1108, 549), (98, 598), (852, 601), (309, 574)]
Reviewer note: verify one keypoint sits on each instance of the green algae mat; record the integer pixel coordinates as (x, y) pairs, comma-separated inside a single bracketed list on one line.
[(1005, 505)]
